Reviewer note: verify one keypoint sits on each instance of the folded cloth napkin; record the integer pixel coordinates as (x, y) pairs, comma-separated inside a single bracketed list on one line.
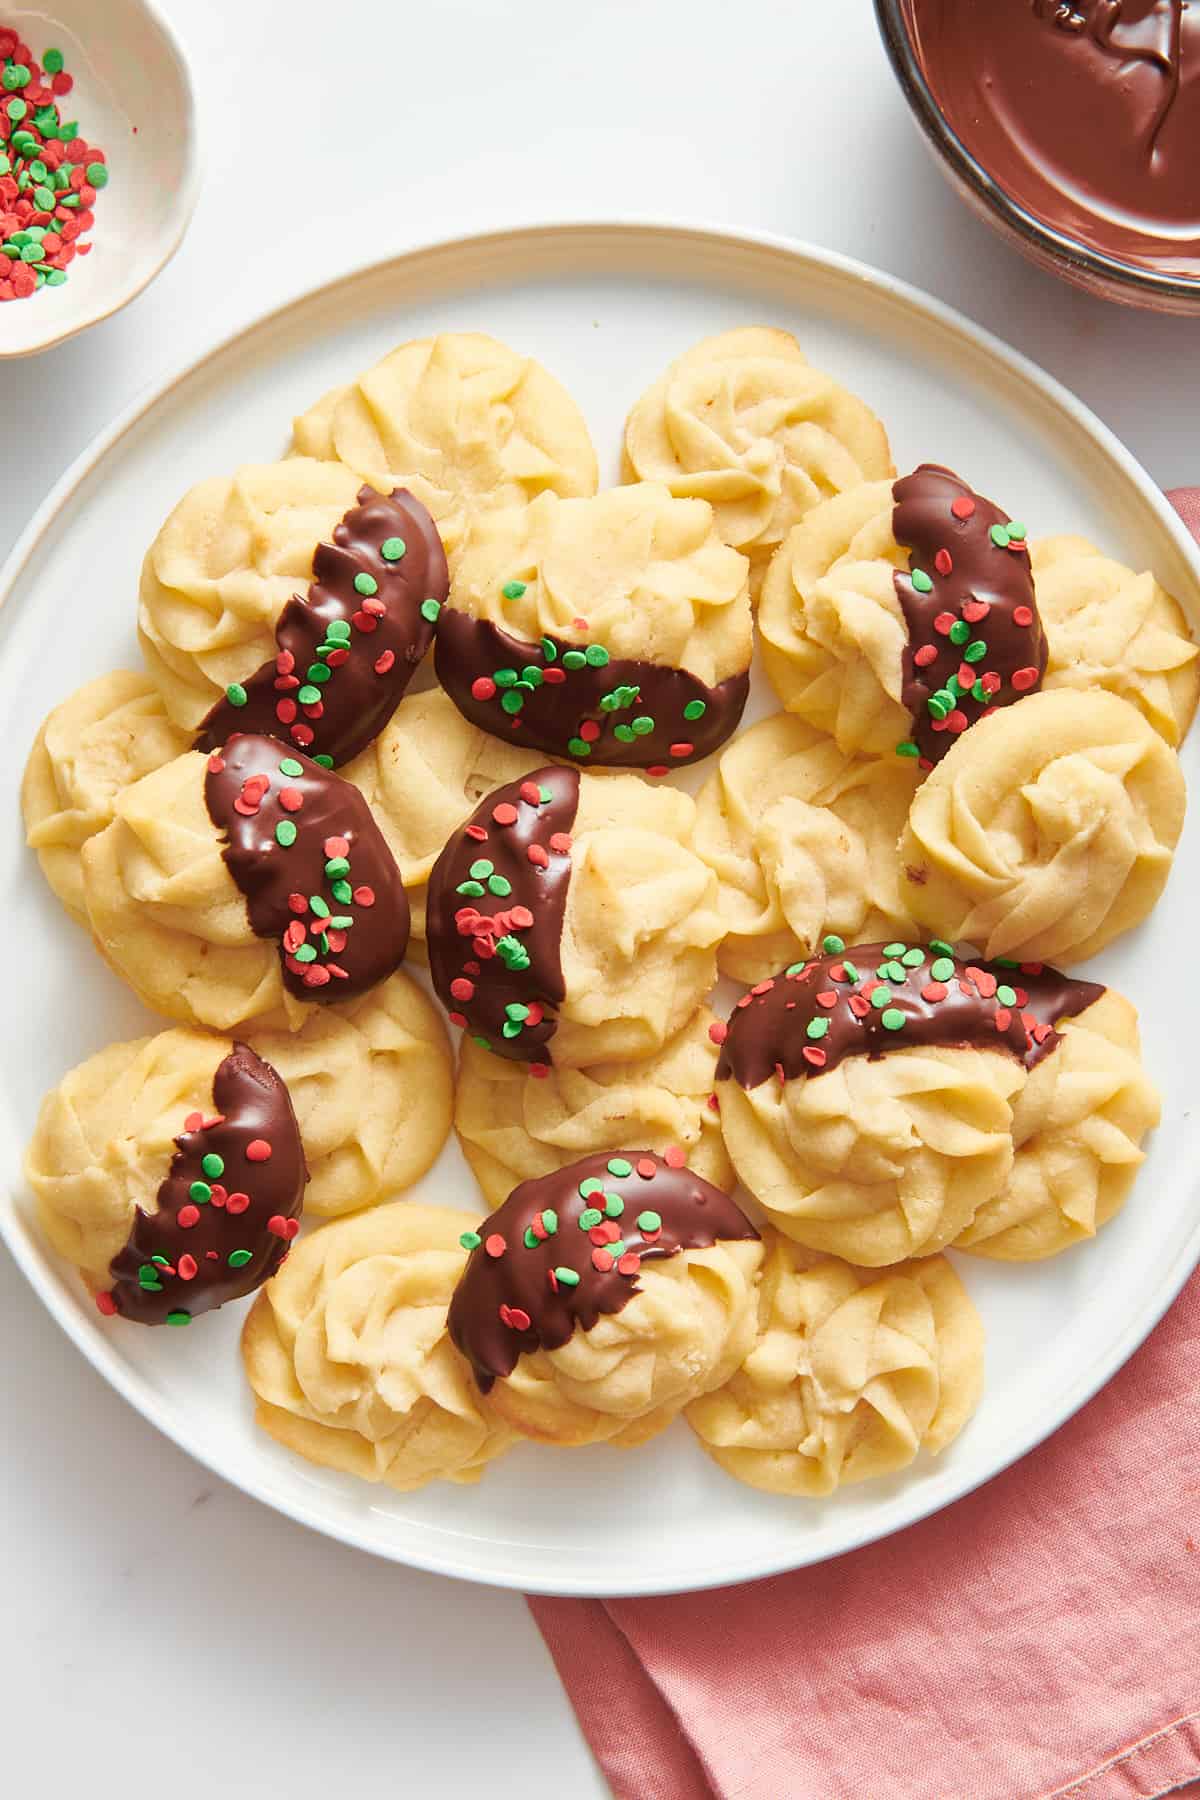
[(1039, 1639)]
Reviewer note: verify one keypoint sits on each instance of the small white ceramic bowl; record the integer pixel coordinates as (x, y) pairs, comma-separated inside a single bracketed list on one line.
[(132, 96)]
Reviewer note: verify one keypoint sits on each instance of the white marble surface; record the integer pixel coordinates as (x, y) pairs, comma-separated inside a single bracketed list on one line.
[(162, 1632)]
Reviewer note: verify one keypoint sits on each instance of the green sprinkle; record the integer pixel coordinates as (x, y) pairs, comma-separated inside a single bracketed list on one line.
[(341, 922), (615, 1250), (1006, 962), (505, 678), (482, 869), (512, 590), (511, 1029), (97, 174), (624, 734), (943, 969), (566, 1277), (511, 701), (366, 585), (516, 1009), (319, 673), (392, 549), (589, 1217), (549, 1220), (1000, 537), (470, 1240), (960, 631), (614, 1206), (161, 1260), (609, 702), (940, 945), (589, 1186), (816, 1028), (975, 651), (908, 748), (308, 696), (643, 725), (305, 954), (881, 996), (544, 795), (179, 1317), (578, 746), (326, 762), (512, 954), (794, 969), (1016, 531), (499, 885), (892, 1019), (430, 610), (912, 959), (471, 890), (893, 971), (851, 972), (286, 833), (596, 656), (236, 694), (649, 1221), (484, 1043), (52, 62), (337, 867), (43, 197), (213, 1165), (16, 109), (1006, 996), (531, 676), (574, 659), (289, 766), (695, 709), (200, 1192), (833, 945), (921, 582), (617, 1165), (896, 949), (338, 632), (531, 1240), (69, 131), (32, 253), (239, 1258), (317, 905), (342, 892), (549, 649)]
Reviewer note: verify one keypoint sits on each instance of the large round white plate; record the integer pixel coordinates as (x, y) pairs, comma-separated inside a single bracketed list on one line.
[(605, 307)]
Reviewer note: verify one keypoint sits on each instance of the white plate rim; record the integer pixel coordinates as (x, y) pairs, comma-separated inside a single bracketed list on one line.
[(29, 1258)]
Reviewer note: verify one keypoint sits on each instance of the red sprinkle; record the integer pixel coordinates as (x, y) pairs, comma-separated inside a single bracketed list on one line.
[(943, 622), (456, 1018), (495, 1244), (602, 1260), (106, 1304), (1003, 1018), (364, 896), (933, 991), (674, 1158), (963, 507), (561, 842), (657, 769), (925, 655), (363, 621), (858, 1006), (504, 814), (215, 764), (258, 1150), (1022, 615), (589, 731), (538, 856), (477, 834), (483, 688), (943, 562), (718, 1031), (629, 1264), (515, 1317), (679, 750), (188, 1268), (285, 662), (1024, 679), (646, 1168), (813, 1054), (187, 1216), (280, 1227), (539, 1071), (285, 711), (553, 677), (975, 610), (219, 1196), (531, 793), (956, 721), (303, 735), (291, 799), (461, 989), (336, 846), (382, 663), (193, 1122), (237, 1202)]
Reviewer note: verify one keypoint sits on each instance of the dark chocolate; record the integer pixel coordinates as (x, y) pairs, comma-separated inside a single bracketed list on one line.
[(975, 638), (494, 917), (314, 868), (566, 1249), (874, 998), (346, 652), (1087, 112), (576, 700), (221, 1231)]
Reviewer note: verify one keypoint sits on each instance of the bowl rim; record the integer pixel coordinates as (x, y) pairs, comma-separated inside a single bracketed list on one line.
[(181, 217), (891, 17)]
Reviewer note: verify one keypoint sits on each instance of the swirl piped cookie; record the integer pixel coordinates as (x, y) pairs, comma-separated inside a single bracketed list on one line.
[(171, 1171), (250, 883), (613, 630), (597, 1301), (569, 921), (870, 1098), (234, 646), (899, 614)]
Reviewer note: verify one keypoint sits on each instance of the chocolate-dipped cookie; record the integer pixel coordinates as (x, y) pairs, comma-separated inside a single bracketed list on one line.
[(600, 1299), (613, 630), (291, 601), (244, 885), (171, 1171), (569, 921), (872, 1097)]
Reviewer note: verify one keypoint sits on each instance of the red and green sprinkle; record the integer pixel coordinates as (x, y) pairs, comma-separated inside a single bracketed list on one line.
[(49, 175)]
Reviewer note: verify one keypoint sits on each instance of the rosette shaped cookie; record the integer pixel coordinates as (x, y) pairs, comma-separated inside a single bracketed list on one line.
[(102, 738), (1078, 1126), (513, 1124), (171, 1172), (1047, 832), (802, 839), (612, 630), (744, 421), (867, 1096), (289, 599), (1112, 628), (349, 1360), (423, 777), (569, 921), (900, 613), (852, 1374), (599, 1300), (461, 420), (245, 885)]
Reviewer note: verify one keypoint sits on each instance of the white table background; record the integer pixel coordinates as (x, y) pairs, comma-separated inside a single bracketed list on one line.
[(163, 1633)]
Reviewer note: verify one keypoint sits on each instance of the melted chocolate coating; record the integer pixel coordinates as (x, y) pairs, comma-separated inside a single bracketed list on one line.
[(359, 675), (495, 912), (620, 711), (1087, 112), (257, 789), (216, 1237), (981, 592), (869, 1002), (512, 1299)]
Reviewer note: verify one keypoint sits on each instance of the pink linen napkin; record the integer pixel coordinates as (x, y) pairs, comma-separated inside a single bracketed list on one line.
[(1039, 1639)]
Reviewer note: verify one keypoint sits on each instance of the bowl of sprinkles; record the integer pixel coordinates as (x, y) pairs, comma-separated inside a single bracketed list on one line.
[(98, 169)]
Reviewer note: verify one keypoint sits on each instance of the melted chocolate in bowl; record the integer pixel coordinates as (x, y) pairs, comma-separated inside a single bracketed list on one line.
[(1086, 112)]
